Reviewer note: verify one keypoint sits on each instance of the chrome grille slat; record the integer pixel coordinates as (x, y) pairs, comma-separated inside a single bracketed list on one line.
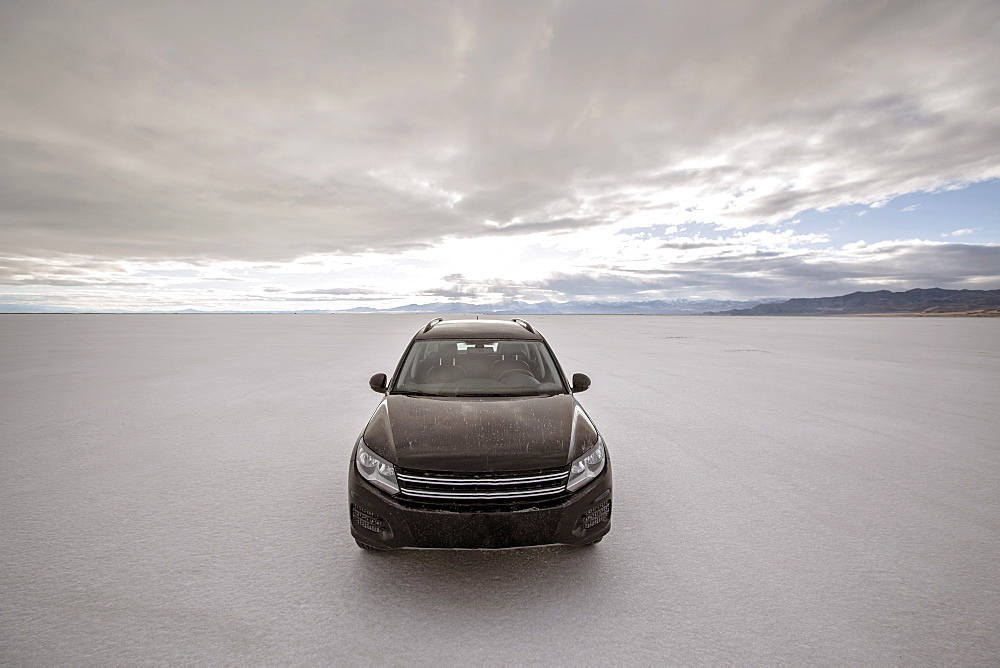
[(481, 486), (482, 495), (552, 477)]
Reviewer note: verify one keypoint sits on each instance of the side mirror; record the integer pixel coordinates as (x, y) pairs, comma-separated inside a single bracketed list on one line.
[(378, 382), (581, 382)]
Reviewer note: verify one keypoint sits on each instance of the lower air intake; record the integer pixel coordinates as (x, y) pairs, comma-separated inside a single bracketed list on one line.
[(366, 520), (596, 515)]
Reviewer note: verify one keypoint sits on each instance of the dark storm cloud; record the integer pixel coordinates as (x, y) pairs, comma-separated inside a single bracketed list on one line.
[(264, 130), (459, 287), (449, 293), (774, 274), (64, 272), (319, 298), (558, 225), (69, 282), (693, 245), (333, 291)]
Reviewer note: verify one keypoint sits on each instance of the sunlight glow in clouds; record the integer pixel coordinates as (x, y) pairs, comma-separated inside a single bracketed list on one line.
[(260, 155)]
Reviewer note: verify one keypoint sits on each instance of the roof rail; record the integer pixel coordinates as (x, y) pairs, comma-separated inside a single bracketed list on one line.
[(433, 322), (523, 323)]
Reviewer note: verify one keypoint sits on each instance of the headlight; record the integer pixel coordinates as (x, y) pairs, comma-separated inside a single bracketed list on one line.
[(375, 469), (587, 467)]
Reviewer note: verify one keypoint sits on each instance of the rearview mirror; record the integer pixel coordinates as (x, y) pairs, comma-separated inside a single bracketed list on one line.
[(378, 383), (581, 382)]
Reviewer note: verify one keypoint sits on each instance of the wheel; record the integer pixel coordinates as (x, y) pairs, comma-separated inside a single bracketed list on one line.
[(366, 546)]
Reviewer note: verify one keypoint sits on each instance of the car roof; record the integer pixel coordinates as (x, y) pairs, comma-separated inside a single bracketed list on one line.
[(478, 329)]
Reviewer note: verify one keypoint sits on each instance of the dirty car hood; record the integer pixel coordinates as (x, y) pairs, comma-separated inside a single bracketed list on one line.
[(480, 434)]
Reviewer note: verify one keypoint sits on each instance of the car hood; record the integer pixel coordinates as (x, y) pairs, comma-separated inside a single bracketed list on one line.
[(480, 434)]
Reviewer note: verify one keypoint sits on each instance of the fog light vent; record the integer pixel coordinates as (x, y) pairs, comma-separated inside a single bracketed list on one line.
[(596, 515), (366, 519)]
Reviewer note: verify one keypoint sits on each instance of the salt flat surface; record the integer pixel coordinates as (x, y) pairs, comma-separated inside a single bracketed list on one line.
[(787, 490)]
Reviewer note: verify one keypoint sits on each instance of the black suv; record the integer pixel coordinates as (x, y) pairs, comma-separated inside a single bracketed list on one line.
[(479, 443)]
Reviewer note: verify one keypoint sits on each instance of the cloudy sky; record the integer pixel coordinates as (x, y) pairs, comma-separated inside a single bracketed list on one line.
[(164, 154)]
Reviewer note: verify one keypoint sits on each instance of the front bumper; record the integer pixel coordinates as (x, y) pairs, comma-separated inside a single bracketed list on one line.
[(389, 522)]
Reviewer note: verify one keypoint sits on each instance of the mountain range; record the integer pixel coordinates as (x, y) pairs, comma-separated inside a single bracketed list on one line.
[(929, 301), (653, 307)]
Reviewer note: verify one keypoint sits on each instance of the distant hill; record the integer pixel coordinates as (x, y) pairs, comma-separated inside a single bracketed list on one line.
[(932, 301), (920, 300), (653, 307)]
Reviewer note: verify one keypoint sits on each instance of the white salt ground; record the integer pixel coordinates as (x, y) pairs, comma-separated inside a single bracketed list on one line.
[(787, 490)]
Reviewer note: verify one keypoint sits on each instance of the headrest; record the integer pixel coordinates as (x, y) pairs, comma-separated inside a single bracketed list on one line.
[(446, 349), (513, 348)]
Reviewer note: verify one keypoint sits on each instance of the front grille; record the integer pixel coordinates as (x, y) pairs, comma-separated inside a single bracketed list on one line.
[(596, 515), (481, 487), (367, 519)]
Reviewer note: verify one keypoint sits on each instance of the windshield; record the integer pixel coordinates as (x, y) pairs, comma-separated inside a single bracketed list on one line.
[(478, 367)]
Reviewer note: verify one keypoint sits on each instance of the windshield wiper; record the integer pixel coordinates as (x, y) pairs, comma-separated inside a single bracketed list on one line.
[(418, 393), (513, 394)]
